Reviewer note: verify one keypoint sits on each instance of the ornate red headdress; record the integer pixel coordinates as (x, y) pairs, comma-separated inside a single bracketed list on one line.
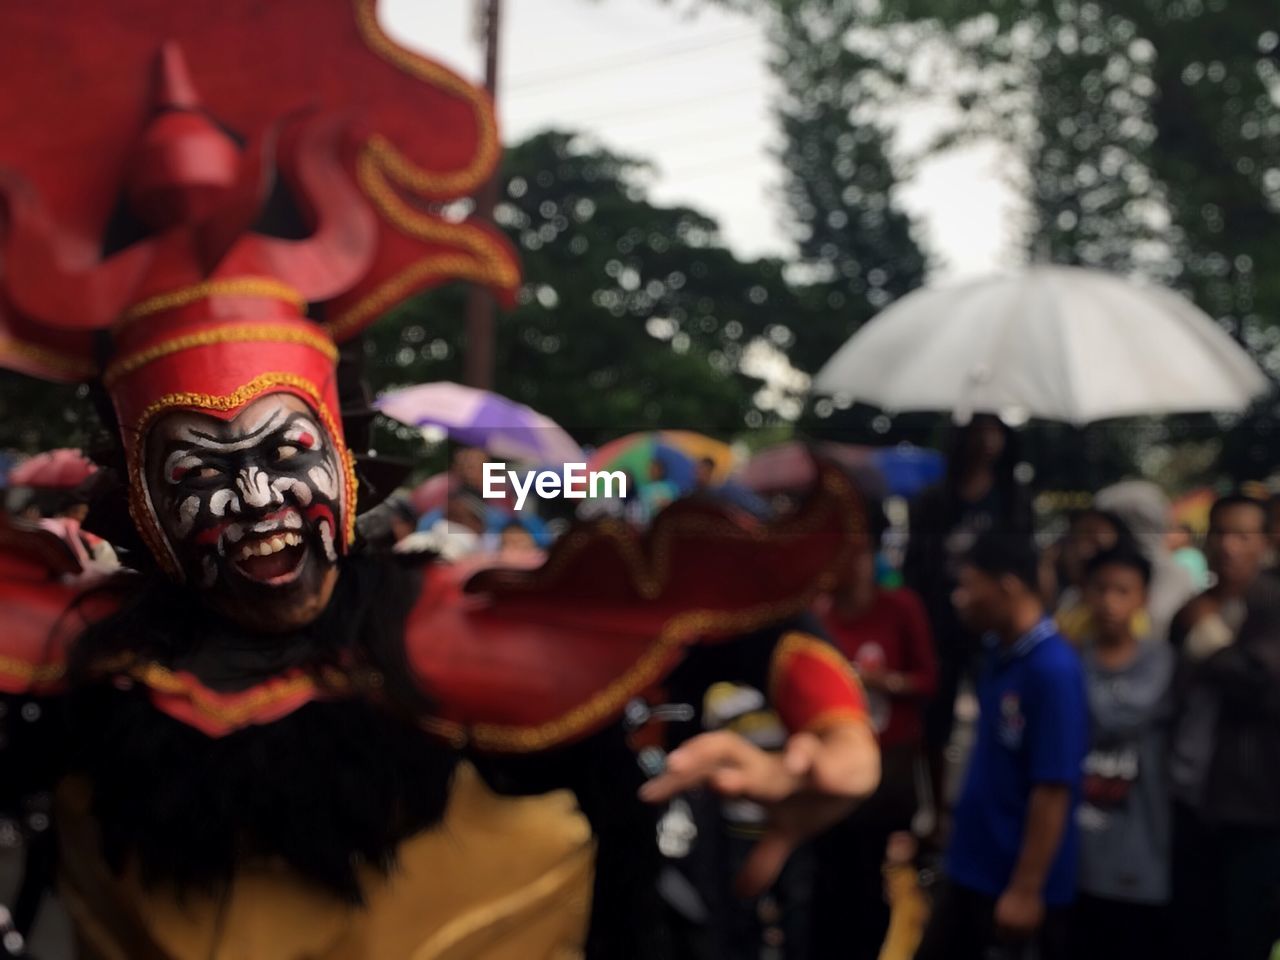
[(149, 184)]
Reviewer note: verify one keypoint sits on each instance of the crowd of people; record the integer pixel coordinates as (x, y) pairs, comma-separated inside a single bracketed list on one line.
[(1119, 795), (1120, 798)]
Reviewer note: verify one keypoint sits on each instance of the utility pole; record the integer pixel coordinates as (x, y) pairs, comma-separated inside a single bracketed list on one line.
[(480, 305)]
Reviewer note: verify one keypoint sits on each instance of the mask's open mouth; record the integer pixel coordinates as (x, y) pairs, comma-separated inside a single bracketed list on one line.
[(274, 559)]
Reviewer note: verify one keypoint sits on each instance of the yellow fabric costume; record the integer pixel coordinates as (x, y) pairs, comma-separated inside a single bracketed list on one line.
[(501, 879)]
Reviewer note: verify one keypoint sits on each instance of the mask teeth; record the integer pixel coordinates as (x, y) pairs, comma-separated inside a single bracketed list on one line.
[(326, 537)]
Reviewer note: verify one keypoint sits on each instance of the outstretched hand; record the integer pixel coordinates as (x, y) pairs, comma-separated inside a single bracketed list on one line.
[(810, 786)]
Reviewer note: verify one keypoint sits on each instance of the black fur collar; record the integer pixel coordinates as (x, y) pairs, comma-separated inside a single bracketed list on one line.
[(332, 787)]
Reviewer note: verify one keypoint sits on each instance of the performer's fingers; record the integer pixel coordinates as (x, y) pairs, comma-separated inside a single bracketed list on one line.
[(693, 764), (763, 864), (708, 749), (729, 782), (801, 752)]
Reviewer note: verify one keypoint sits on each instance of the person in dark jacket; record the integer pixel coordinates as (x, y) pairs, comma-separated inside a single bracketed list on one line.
[(980, 494), (1225, 763)]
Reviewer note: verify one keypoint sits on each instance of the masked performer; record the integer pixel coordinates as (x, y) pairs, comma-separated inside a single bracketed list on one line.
[(256, 735)]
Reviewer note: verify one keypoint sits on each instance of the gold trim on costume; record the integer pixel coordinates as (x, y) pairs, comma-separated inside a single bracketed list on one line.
[(70, 366), (546, 888), (433, 183), (682, 628), (648, 669), (837, 717), (480, 258), (797, 642), (163, 680), (32, 674), (228, 287), (648, 577), (266, 333)]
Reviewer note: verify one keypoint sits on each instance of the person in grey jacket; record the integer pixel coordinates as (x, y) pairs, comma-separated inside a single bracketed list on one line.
[(1125, 816)]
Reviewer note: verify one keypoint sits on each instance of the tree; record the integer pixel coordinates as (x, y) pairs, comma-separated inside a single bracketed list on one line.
[(840, 181), (856, 246), (632, 316), (35, 415), (1149, 132)]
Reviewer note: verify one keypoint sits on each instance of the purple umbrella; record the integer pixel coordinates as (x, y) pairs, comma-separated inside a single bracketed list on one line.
[(478, 418)]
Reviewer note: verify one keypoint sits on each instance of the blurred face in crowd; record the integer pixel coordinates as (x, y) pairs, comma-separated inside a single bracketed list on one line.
[(516, 538), (1237, 544), (1090, 534), (706, 472), (984, 602), (460, 511), (77, 512), (984, 440), (1115, 593), (860, 575), (468, 465), (252, 508)]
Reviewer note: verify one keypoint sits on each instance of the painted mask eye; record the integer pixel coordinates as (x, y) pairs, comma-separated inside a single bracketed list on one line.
[(286, 451), (204, 473)]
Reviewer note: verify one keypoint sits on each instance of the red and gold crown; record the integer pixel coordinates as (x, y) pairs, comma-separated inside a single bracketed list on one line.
[(148, 175)]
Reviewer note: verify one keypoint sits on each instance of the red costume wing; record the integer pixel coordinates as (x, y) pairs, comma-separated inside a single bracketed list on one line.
[(521, 660), (39, 588)]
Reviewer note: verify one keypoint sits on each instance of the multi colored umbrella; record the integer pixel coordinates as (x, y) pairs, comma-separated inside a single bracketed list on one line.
[(637, 453), (894, 471), (698, 446), (479, 418), (63, 469)]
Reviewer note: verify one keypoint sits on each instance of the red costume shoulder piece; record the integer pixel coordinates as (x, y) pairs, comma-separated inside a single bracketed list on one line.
[(39, 585), (524, 660)]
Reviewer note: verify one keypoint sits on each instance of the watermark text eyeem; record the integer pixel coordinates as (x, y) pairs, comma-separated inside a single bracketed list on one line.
[(574, 483)]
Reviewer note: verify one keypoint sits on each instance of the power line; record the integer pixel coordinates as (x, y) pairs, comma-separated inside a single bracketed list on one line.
[(702, 135), (649, 55), (709, 166), (669, 108)]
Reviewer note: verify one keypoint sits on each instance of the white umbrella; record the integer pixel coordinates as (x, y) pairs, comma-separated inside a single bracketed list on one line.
[(1062, 343)]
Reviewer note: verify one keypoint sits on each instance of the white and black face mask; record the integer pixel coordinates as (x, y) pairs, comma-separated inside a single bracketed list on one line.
[(252, 507)]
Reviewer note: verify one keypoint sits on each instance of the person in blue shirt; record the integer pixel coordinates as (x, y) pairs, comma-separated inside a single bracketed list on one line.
[(1011, 864)]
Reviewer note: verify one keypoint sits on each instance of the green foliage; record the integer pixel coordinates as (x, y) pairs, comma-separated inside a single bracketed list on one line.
[(36, 416), (840, 181), (1149, 131), (632, 315)]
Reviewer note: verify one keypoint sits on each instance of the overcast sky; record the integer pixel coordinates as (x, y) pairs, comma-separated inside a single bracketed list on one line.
[(692, 93)]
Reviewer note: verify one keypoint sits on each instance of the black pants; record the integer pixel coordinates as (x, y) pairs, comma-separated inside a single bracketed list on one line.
[(1104, 929), (1226, 889), (962, 927), (850, 914)]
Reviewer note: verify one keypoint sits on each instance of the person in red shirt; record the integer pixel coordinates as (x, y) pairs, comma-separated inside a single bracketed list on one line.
[(886, 636)]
